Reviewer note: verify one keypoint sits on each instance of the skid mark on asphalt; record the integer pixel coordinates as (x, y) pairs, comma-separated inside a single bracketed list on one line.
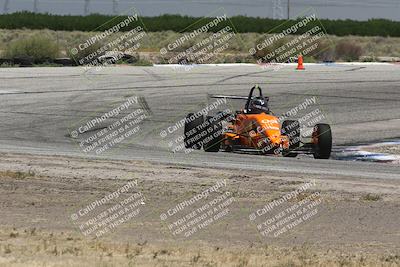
[(359, 68), (347, 97), (199, 85), (153, 75), (240, 75)]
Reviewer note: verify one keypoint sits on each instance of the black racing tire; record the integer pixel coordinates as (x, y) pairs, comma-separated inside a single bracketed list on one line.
[(229, 149), (214, 135), (322, 138), (291, 128), (189, 126)]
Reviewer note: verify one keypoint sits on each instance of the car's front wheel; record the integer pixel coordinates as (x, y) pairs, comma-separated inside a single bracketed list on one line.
[(291, 128), (192, 131), (322, 141)]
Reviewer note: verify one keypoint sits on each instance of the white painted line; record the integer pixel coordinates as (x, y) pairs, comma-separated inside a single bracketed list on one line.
[(8, 91), (279, 64)]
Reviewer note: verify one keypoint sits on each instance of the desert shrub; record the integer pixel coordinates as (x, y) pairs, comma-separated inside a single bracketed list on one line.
[(310, 59), (38, 48), (268, 53), (371, 197), (143, 62), (348, 50), (367, 59), (325, 51)]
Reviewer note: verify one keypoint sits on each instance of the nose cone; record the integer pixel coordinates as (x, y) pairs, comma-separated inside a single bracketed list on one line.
[(271, 128)]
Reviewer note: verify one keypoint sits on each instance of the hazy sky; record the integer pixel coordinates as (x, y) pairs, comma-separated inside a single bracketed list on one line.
[(353, 9)]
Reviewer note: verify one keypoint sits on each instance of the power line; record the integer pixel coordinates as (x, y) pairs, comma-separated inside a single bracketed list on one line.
[(277, 9), (35, 6), (115, 7), (276, 4), (6, 8), (254, 3), (86, 8)]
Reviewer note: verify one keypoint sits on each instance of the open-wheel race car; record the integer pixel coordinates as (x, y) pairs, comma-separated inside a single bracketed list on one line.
[(254, 128)]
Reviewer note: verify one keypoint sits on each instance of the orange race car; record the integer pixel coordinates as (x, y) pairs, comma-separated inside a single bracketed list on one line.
[(256, 129)]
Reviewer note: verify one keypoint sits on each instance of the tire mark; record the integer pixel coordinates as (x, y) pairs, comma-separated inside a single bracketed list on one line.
[(198, 85)]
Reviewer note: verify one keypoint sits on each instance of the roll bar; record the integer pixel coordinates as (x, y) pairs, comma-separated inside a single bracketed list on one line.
[(250, 97)]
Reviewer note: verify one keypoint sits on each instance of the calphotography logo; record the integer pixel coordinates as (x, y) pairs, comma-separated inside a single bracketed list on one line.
[(113, 128), (175, 137), (113, 41), (304, 36), (200, 43), (197, 213), (282, 215), (106, 214), (200, 133)]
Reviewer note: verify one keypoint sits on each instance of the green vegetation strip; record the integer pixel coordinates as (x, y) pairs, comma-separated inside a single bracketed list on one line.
[(19, 20)]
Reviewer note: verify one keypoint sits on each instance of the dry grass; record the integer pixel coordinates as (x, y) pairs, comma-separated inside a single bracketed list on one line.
[(370, 46), (16, 174), (348, 51), (61, 244), (371, 197), (30, 247)]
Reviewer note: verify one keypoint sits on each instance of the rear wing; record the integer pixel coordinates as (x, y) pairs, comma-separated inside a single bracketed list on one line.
[(228, 96)]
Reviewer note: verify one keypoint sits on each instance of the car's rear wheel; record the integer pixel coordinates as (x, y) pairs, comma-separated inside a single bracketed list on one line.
[(322, 141), (291, 128), (214, 135), (192, 132)]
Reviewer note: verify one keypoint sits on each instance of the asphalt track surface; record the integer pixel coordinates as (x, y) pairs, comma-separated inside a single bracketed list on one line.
[(40, 106)]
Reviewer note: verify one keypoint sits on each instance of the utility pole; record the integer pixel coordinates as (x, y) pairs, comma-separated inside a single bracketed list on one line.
[(115, 7), (86, 9), (277, 10), (5, 8), (35, 6), (288, 9)]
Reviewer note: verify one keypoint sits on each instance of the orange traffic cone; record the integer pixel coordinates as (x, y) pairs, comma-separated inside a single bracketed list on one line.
[(300, 63)]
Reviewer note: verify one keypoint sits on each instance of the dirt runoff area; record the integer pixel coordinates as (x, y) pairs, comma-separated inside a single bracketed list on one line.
[(63, 211)]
